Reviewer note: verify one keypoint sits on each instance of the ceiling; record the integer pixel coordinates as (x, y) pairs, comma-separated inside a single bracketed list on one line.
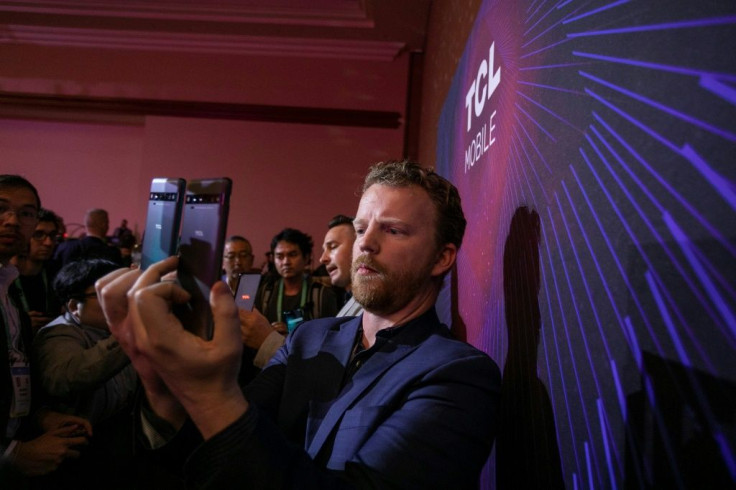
[(352, 29)]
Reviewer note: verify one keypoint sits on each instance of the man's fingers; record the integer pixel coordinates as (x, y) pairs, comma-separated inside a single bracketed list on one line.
[(225, 313), (111, 291)]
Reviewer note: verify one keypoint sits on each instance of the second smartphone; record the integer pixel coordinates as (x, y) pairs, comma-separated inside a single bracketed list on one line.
[(203, 228)]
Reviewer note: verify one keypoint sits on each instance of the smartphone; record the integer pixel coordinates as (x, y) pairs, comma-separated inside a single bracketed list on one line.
[(293, 318), (161, 237), (245, 294), (203, 227)]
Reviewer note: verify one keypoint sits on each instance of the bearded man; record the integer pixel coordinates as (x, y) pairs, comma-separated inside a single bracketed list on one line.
[(387, 399)]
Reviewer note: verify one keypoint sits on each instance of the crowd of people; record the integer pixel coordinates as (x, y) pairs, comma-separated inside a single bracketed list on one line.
[(341, 376)]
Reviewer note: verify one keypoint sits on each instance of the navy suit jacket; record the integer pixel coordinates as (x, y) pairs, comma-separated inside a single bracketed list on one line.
[(421, 412)]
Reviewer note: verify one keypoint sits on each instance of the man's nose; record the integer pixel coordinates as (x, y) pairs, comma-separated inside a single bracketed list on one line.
[(368, 241)]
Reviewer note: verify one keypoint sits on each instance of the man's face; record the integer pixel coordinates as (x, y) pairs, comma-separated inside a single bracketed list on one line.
[(289, 260), (394, 254), (18, 218), (237, 258), (337, 254), (89, 312), (43, 241)]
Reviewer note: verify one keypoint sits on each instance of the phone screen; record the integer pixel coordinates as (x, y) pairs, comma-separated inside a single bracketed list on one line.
[(245, 294), (293, 318), (161, 236), (203, 228)]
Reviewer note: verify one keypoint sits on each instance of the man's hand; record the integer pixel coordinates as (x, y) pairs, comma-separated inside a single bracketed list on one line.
[(254, 328), (44, 454), (200, 374), (115, 291), (49, 420)]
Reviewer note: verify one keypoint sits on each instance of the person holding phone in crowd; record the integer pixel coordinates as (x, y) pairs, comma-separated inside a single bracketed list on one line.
[(384, 399)]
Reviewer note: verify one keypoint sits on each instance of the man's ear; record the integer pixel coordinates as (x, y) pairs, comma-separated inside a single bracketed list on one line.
[(72, 307), (445, 259)]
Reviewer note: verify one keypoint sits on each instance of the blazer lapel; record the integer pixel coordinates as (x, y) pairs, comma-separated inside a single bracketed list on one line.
[(392, 352)]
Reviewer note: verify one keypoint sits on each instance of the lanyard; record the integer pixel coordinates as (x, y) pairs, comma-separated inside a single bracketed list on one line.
[(280, 298), (22, 294)]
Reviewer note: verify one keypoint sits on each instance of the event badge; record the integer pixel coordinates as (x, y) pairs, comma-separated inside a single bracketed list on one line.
[(21, 375)]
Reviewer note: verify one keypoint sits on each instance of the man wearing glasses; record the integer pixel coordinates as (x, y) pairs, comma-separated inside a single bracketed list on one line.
[(32, 442), (237, 259), (37, 297)]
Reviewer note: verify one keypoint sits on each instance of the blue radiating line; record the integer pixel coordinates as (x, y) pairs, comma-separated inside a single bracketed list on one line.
[(593, 256), (680, 70), (667, 319), (713, 84), (620, 267), (531, 140), (545, 67), (575, 304), (573, 92), (619, 391), (573, 441), (635, 122), (544, 48), (531, 165), (596, 11), (625, 224), (723, 443), (550, 386), (647, 388), (549, 111), (606, 442), (573, 362), (531, 5), (551, 27), (585, 282), (589, 467), (668, 110), (723, 186), (549, 11), (562, 4), (670, 188), (529, 17), (697, 389), (634, 344), (687, 248), (688, 24), (685, 324), (535, 122), (683, 273)]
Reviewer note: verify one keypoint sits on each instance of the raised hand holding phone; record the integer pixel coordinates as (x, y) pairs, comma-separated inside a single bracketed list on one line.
[(203, 227)]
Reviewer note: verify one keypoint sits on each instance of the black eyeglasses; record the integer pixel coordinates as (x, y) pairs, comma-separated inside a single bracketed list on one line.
[(40, 235)]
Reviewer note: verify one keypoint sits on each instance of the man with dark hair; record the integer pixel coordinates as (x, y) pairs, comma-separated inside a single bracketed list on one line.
[(387, 399), (337, 256), (36, 295), (294, 297), (237, 259), (26, 448), (93, 245), (82, 370)]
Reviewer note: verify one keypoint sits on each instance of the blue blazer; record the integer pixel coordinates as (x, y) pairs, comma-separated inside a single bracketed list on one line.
[(421, 412)]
